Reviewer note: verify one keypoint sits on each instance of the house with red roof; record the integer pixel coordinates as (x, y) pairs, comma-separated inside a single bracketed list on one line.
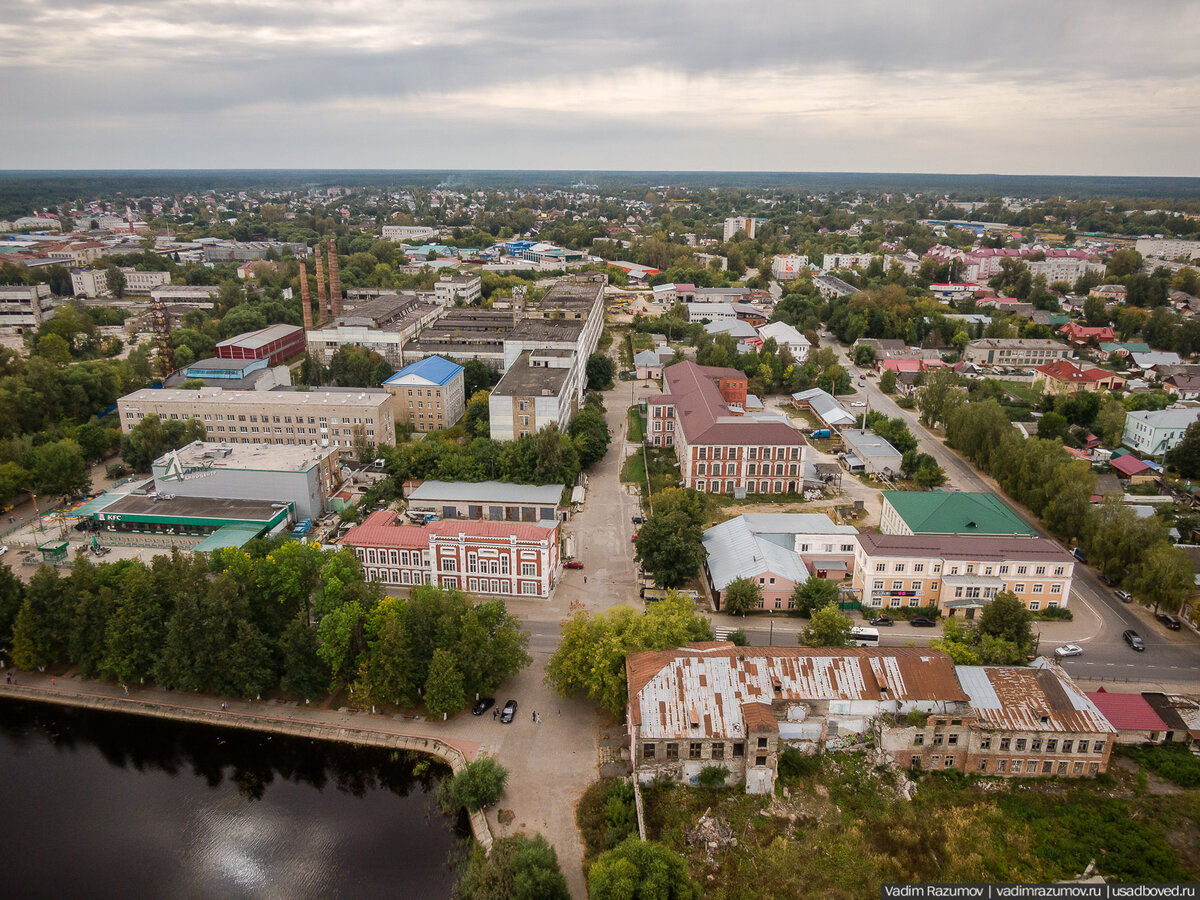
[(1135, 719), (503, 558), (1065, 377), (1136, 470), (1082, 335)]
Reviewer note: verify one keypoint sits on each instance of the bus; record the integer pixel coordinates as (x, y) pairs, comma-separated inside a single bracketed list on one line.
[(864, 637)]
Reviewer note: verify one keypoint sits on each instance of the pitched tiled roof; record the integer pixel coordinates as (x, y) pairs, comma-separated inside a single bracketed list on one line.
[(1127, 712), (379, 529), (1128, 464), (524, 531)]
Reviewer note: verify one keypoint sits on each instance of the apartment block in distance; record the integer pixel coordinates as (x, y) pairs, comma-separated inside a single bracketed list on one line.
[(330, 417), (429, 393), (1015, 351), (960, 574), (24, 306)]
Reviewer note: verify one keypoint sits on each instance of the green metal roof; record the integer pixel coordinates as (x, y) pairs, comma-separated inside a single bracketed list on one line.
[(956, 512), (93, 506), (228, 536)]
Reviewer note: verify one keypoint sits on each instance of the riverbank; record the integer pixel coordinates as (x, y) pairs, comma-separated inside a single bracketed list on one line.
[(287, 718)]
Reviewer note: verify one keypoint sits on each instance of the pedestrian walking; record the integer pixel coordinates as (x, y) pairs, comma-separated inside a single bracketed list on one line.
[(495, 713), (539, 719), (533, 718), (585, 579), (125, 688)]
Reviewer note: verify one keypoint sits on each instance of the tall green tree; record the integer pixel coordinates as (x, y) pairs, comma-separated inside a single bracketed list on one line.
[(813, 594), (444, 692), (741, 596), (641, 870), (669, 546), (600, 372), (1007, 618), (827, 628), (304, 672), (940, 394), (1163, 576), (518, 868)]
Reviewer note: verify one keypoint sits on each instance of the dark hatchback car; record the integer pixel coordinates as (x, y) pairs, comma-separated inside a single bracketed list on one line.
[(883, 620), (1104, 579), (922, 622), (1133, 639), (509, 712), (1168, 620), (483, 705)]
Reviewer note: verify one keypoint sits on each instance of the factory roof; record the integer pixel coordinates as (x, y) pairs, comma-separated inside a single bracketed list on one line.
[(261, 337), (1041, 697)]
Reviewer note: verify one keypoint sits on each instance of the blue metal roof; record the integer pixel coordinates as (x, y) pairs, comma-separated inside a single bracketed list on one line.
[(432, 368)]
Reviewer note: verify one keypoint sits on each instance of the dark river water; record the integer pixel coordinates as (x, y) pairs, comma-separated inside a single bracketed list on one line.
[(103, 805)]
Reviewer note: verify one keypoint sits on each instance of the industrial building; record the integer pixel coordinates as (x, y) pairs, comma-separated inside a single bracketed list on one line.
[(384, 325), (304, 476), (333, 417), (275, 344), (429, 393)]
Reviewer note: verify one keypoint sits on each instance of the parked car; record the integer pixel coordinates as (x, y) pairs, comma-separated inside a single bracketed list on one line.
[(1068, 650), (922, 622), (1124, 596), (483, 705), (573, 564), (1104, 579), (509, 712), (1079, 554), (1133, 639), (1168, 620), (639, 519), (858, 404), (3, 549), (883, 620), (634, 538)]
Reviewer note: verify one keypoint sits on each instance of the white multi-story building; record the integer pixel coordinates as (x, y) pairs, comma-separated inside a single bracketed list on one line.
[(734, 224), (408, 232), (1154, 432), (89, 282), (833, 261), (137, 282), (1168, 248), (787, 267), (698, 312), (786, 337), (452, 288)]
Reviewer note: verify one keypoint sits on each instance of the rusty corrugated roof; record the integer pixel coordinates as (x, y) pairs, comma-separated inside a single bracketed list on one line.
[(1039, 698)]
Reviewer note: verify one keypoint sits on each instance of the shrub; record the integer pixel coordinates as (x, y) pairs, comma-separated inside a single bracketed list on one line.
[(794, 764), (739, 638), (478, 784), (1174, 762), (713, 776), (1055, 614)]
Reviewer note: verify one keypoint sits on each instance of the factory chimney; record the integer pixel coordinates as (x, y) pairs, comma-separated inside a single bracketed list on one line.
[(305, 299), (320, 286), (335, 279)]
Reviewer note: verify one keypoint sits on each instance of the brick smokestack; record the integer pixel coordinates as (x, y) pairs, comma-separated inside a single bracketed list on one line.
[(320, 286), (335, 279), (305, 299)]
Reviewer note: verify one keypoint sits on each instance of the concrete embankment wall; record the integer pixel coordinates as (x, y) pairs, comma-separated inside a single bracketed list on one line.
[(255, 721)]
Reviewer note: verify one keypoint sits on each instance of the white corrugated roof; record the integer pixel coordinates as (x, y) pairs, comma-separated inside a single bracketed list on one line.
[(486, 492)]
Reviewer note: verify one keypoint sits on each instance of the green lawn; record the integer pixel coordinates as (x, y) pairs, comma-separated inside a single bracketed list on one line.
[(1022, 389), (639, 340), (637, 427)]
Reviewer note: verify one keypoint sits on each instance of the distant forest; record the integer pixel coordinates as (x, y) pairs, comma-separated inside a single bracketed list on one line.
[(24, 191)]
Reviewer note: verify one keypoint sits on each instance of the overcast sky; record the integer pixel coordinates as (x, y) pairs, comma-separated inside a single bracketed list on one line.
[(1093, 88)]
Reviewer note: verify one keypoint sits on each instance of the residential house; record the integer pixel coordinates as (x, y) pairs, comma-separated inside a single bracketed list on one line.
[(1123, 349), (745, 333), (1134, 719), (1082, 335), (750, 314), (648, 364), (778, 551), (787, 338), (1151, 364), (1109, 293), (1180, 715), (787, 267), (1135, 470), (1065, 377), (1154, 432), (1183, 387), (950, 512), (960, 573)]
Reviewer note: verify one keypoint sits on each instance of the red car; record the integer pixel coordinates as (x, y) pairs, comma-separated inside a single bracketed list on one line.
[(634, 538), (573, 564)]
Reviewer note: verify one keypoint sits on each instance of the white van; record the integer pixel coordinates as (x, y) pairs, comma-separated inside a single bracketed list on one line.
[(864, 637)]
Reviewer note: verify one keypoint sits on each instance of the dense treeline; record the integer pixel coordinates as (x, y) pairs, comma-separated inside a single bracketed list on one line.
[(1057, 488), (276, 614)]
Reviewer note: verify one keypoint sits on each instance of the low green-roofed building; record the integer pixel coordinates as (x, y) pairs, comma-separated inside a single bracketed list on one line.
[(950, 512)]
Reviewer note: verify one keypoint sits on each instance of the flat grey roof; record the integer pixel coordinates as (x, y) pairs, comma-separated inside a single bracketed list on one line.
[(524, 380), (484, 492), (193, 508)]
